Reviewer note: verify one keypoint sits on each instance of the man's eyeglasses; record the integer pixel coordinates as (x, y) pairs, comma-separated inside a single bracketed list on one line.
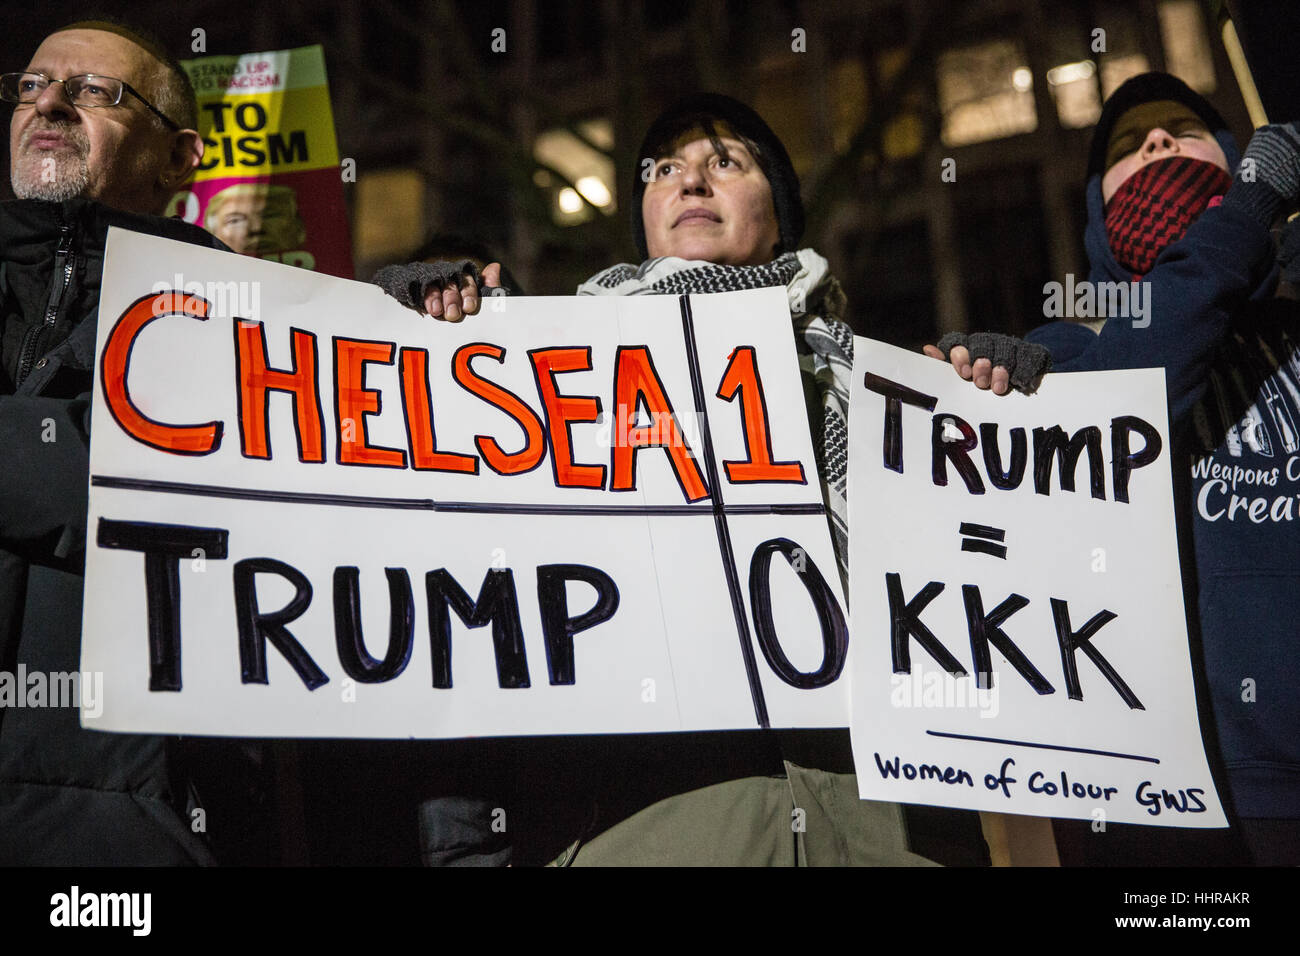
[(85, 90)]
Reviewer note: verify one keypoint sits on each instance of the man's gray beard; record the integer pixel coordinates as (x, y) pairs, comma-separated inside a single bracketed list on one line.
[(71, 177)]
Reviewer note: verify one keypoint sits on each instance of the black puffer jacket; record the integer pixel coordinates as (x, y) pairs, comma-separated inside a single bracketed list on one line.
[(67, 795)]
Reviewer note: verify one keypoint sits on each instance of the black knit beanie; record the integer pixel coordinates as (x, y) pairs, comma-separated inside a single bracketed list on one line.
[(1146, 88), (772, 159)]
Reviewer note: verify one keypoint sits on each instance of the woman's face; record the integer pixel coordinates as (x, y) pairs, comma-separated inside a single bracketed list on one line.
[(700, 205)]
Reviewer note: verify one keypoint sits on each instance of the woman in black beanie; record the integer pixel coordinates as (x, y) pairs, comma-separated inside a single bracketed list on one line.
[(716, 208), (701, 120)]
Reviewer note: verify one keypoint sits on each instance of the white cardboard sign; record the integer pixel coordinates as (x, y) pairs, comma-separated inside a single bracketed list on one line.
[(1031, 539), (316, 513)]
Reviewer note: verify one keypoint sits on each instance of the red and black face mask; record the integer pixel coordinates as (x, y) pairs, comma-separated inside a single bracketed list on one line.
[(1155, 206)]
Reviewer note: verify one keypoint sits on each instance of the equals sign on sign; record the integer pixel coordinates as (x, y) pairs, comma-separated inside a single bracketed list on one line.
[(982, 538)]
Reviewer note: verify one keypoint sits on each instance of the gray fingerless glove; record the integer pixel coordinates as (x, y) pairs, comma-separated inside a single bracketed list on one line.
[(1269, 175), (1024, 361), (406, 283)]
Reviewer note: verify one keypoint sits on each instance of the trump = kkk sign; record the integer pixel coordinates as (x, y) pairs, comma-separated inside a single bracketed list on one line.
[(337, 517), (1020, 643)]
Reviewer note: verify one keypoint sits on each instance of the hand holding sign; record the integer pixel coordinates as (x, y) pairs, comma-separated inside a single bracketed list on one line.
[(993, 360), (453, 301), (445, 289)]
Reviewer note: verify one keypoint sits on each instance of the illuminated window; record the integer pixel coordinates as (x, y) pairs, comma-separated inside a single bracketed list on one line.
[(590, 171), (389, 213), (985, 92), (1187, 47), (1115, 69), (1074, 88)]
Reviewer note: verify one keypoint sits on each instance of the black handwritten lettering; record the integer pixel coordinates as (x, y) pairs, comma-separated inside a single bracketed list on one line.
[(256, 627), (986, 629), (895, 394), (497, 604), (1123, 463), (354, 657), (958, 452), (1010, 479), (905, 622), (1051, 443), (1071, 641), (834, 629), (558, 627), (926, 771), (164, 546)]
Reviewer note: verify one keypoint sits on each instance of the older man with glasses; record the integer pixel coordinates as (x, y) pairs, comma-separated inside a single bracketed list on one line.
[(94, 134), (102, 134)]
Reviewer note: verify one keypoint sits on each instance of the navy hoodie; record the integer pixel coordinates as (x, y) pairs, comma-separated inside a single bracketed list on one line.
[(1231, 356)]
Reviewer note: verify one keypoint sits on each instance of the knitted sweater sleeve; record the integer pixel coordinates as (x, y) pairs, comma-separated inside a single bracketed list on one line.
[(1195, 288)]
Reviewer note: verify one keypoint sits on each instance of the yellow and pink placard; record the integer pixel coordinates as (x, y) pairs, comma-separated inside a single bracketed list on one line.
[(270, 183)]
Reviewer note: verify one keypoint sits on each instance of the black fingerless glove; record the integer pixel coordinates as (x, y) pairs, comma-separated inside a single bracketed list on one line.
[(1024, 361), (407, 283)]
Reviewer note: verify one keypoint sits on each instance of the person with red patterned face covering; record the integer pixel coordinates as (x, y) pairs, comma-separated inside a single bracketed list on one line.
[(1171, 209), (1163, 168)]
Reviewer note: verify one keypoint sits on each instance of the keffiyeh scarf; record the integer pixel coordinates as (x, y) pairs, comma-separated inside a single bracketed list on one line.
[(823, 341)]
